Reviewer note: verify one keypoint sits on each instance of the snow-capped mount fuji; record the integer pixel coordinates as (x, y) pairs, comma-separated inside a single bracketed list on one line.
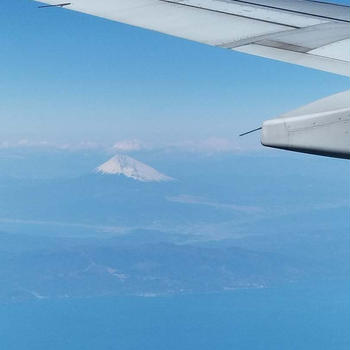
[(122, 164)]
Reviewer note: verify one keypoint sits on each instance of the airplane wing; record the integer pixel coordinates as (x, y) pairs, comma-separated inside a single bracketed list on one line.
[(309, 33), (313, 34)]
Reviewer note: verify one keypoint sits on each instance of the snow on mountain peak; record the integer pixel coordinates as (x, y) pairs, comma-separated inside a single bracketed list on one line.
[(122, 164)]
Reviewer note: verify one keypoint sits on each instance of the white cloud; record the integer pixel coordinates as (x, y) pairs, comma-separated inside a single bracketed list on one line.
[(29, 143), (42, 144), (217, 144), (128, 145), (209, 145), (84, 145)]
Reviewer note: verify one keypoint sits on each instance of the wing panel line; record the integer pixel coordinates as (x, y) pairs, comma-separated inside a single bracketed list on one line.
[(289, 10), (230, 14)]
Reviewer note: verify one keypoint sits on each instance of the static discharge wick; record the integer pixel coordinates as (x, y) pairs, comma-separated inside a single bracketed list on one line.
[(57, 5)]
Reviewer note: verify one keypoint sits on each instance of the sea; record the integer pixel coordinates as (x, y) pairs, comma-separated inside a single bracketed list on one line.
[(292, 317)]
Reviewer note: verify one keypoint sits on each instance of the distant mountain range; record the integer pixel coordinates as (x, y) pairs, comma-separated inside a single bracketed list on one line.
[(126, 229), (122, 164)]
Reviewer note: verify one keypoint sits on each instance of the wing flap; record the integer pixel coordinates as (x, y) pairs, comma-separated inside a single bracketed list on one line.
[(338, 50), (307, 60)]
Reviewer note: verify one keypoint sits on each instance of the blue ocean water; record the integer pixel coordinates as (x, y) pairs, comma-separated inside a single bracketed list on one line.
[(293, 317)]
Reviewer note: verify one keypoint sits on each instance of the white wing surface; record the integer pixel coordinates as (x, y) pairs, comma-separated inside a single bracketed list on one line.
[(309, 33)]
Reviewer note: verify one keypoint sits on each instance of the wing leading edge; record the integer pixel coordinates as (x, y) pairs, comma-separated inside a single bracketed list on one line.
[(307, 33)]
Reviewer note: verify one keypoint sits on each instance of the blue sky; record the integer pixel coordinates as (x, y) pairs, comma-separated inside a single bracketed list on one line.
[(69, 77)]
